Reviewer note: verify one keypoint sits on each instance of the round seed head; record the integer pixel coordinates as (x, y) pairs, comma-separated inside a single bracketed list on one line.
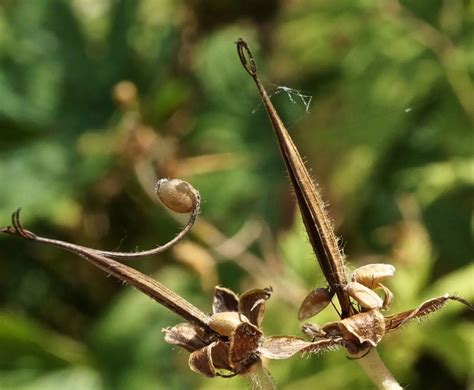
[(177, 195)]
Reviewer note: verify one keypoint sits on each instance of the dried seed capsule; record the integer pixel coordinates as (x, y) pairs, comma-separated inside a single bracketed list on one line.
[(226, 322), (314, 302), (371, 274), (364, 296), (177, 195), (365, 327)]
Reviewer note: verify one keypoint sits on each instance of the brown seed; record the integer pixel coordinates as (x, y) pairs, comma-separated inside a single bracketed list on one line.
[(177, 195), (314, 302)]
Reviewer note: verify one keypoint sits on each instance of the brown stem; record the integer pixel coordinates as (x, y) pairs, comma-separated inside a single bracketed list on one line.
[(259, 377), (158, 249), (142, 282), (317, 223)]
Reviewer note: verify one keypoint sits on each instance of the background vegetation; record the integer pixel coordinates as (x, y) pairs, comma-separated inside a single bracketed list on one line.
[(388, 134)]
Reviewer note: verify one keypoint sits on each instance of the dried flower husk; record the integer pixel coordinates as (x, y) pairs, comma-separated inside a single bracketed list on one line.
[(225, 323), (208, 360), (366, 327), (252, 304), (188, 336), (364, 296), (396, 321), (388, 296), (313, 330), (238, 349), (371, 274), (362, 328), (243, 345), (284, 347), (314, 302), (224, 300), (200, 361)]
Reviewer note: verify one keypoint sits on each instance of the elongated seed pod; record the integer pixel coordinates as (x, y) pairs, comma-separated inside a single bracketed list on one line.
[(177, 195)]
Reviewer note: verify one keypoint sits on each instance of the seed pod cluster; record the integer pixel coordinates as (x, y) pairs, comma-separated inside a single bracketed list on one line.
[(177, 195)]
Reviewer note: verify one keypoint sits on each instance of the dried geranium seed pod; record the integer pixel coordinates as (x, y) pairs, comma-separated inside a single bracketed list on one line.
[(226, 322), (314, 302), (177, 195), (371, 274), (364, 296)]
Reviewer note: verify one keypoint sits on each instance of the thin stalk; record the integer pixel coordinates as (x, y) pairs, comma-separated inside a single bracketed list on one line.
[(378, 373), (259, 378)]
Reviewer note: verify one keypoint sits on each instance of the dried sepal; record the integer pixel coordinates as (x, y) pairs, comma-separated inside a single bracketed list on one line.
[(188, 336), (177, 195), (314, 302), (224, 300), (225, 323), (282, 347), (324, 345), (252, 304), (371, 274), (396, 321), (243, 344), (220, 355), (332, 329), (388, 296), (364, 296), (313, 330), (366, 327), (200, 361)]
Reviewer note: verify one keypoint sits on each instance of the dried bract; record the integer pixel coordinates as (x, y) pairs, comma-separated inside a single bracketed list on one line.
[(238, 341), (364, 296), (371, 274)]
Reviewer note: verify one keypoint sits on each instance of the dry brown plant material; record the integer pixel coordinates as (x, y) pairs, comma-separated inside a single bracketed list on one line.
[(230, 341)]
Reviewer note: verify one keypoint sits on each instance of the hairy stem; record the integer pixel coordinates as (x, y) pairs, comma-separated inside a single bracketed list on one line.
[(317, 223), (376, 370), (140, 281), (259, 378)]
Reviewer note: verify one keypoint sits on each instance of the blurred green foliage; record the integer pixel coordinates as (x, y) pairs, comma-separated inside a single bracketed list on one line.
[(389, 135)]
